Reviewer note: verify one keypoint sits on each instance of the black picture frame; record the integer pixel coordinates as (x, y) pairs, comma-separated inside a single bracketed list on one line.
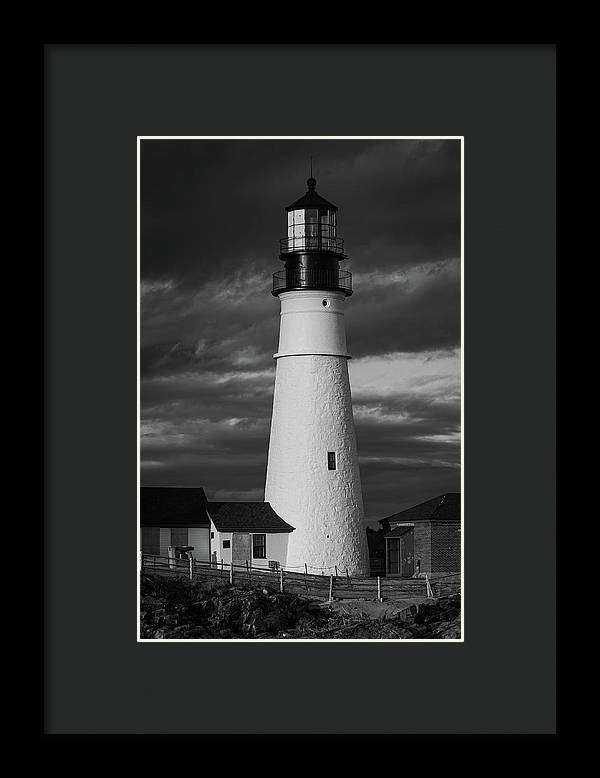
[(99, 679)]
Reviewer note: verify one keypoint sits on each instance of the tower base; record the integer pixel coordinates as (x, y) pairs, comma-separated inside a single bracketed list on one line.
[(312, 419)]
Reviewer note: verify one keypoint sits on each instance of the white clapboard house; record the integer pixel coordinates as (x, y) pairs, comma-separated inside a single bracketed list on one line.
[(248, 531), (182, 518), (174, 517)]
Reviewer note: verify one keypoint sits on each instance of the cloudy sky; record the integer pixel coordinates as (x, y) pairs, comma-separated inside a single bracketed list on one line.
[(212, 213)]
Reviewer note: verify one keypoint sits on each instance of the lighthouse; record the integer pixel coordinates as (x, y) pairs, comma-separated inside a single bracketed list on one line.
[(313, 479)]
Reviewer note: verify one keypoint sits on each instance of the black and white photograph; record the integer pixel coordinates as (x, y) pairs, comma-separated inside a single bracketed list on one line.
[(299, 391), (300, 414)]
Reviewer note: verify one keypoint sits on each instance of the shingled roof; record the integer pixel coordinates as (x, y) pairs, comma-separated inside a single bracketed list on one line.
[(173, 506), (446, 507), (246, 517)]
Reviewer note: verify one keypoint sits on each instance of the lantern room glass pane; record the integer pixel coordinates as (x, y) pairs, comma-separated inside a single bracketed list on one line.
[(296, 229), (312, 228), (325, 230)]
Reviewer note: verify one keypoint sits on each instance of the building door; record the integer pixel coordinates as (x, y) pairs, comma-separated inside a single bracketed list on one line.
[(241, 549), (407, 554), (179, 536), (393, 556), (401, 554)]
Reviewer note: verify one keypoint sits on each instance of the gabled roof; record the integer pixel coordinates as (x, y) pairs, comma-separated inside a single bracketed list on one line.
[(173, 506), (446, 507), (311, 199), (246, 517)]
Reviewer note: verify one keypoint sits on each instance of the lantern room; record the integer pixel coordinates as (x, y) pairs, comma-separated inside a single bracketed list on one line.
[(311, 224), (312, 250)]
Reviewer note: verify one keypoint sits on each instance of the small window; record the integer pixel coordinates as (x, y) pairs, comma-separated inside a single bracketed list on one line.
[(331, 460), (227, 544), (212, 535), (259, 546)]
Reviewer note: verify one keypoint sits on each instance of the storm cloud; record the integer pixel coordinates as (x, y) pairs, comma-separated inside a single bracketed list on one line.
[(212, 212)]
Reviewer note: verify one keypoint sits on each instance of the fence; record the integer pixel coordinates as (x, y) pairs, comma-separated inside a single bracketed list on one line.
[(327, 587)]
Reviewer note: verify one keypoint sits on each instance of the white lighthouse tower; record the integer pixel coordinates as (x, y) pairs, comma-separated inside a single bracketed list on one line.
[(313, 480)]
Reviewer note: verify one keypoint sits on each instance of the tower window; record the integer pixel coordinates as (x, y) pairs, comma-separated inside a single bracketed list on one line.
[(331, 460)]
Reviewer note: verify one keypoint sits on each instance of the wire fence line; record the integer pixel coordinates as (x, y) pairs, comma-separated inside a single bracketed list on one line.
[(319, 586)]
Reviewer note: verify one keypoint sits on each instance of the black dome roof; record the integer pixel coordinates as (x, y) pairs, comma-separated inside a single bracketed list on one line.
[(311, 199)]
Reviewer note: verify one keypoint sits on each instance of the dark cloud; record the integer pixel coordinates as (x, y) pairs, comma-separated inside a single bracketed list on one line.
[(211, 216), (209, 207)]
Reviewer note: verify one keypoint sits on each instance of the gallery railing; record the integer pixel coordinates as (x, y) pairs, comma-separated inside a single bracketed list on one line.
[(312, 278)]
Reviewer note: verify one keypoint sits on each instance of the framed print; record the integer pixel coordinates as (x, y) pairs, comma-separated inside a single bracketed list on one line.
[(300, 383), (312, 494)]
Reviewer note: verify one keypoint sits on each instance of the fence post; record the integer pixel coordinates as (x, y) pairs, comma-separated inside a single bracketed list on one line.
[(305, 569), (191, 568), (348, 577), (248, 570), (330, 588), (306, 577), (336, 572), (428, 585), (281, 579), (379, 589), (231, 572), (221, 564)]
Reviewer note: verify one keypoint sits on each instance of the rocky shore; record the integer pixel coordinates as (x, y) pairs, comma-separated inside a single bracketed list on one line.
[(176, 608)]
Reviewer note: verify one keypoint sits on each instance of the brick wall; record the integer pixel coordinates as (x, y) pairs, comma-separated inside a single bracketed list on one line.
[(422, 548), (423, 545), (445, 546)]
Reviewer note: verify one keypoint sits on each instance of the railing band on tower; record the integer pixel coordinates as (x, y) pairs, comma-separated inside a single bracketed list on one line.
[(312, 278)]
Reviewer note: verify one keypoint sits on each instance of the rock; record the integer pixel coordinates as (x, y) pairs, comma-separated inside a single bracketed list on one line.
[(275, 622), (196, 632)]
